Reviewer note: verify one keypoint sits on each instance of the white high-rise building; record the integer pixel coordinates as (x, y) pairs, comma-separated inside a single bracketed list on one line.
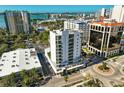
[(65, 47), (78, 25), (101, 12), (118, 13), (73, 25)]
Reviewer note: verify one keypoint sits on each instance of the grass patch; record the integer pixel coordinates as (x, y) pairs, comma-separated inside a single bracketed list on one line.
[(49, 54), (92, 83), (123, 69), (104, 69), (87, 50)]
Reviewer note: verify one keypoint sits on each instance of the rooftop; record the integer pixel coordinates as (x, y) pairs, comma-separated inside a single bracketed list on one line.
[(76, 21), (107, 22), (59, 32), (17, 60)]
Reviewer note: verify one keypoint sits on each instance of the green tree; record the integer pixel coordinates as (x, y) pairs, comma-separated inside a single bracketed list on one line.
[(9, 81), (3, 48), (66, 79), (104, 65)]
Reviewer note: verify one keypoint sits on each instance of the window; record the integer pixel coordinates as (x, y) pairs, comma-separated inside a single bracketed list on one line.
[(26, 52), (112, 29), (36, 62), (14, 56), (26, 58), (108, 29), (13, 66), (99, 28), (17, 65), (4, 56), (119, 28), (14, 53), (13, 61), (102, 28), (122, 28), (26, 55), (1, 64), (96, 27), (3, 59), (27, 63), (91, 27)]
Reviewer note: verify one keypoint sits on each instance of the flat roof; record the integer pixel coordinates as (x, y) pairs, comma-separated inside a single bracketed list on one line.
[(109, 24), (59, 32), (17, 60), (76, 21)]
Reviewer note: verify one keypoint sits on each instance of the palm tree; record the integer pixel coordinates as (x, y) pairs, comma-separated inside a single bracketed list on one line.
[(25, 78), (104, 66), (9, 81), (66, 79)]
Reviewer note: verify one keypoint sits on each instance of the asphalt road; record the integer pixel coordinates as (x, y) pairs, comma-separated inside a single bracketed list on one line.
[(45, 67), (47, 72)]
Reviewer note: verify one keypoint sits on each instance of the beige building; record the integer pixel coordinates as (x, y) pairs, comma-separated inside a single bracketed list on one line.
[(106, 37), (17, 22)]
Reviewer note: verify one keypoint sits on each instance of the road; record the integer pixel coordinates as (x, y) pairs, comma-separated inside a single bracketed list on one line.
[(47, 70), (55, 81), (59, 81), (45, 66)]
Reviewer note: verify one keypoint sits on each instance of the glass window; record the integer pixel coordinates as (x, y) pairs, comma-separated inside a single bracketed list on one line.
[(91, 27), (3, 59), (13, 66), (108, 28), (102, 28), (96, 27), (14, 56), (17, 65), (1, 64), (99, 28), (27, 63), (36, 62), (26, 58), (13, 61), (112, 29), (14, 53)]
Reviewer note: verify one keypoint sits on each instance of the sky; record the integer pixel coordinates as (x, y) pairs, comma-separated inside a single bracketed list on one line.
[(55, 8)]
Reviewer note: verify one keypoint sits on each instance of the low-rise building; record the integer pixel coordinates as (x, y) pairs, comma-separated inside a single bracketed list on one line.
[(18, 60)]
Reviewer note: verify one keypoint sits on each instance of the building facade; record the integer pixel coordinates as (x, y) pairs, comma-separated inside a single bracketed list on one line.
[(78, 25), (118, 13), (65, 48), (18, 60), (17, 22), (106, 37), (101, 12)]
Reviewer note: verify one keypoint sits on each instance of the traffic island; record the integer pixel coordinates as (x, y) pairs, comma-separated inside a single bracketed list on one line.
[(106, 71), (122, 69)]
